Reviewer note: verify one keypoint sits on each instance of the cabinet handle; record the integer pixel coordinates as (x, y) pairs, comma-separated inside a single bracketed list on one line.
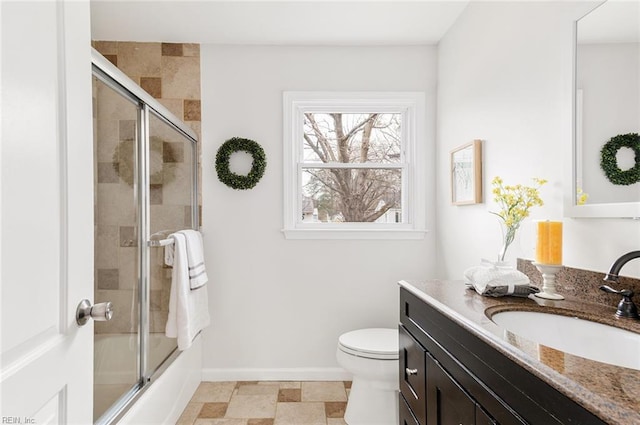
[(411, 371)]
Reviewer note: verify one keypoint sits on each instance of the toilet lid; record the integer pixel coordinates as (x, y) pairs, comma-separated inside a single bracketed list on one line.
[(377, 343)]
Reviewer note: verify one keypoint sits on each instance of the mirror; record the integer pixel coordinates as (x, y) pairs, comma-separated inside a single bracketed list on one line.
[(606, 149)]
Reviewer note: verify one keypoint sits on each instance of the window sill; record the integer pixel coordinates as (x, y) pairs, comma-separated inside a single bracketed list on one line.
[(380, 234)]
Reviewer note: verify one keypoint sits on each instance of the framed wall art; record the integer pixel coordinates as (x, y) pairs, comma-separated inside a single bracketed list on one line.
[(466, 174)]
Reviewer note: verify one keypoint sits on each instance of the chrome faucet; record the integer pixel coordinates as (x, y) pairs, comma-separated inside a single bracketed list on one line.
[(626, 307)]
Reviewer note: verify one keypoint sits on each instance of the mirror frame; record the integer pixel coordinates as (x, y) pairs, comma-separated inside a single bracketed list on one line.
[(571, 209)]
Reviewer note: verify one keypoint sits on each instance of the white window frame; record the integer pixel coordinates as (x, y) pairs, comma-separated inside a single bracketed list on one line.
[(412, 106)]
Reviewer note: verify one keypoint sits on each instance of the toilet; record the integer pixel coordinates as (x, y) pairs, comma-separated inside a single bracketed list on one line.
[(371, 356)]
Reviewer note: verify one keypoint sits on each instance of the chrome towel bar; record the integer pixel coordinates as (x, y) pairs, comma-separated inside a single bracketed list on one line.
[(160, 242), (161, 238)]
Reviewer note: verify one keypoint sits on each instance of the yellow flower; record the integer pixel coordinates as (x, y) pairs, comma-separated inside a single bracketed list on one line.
[(515, 203), (581, 197)]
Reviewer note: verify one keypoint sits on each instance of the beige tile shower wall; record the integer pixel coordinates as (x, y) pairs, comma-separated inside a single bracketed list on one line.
[(170, 72)]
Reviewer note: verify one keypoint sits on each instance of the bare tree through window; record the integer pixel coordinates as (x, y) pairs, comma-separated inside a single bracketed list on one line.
[(351, 168)]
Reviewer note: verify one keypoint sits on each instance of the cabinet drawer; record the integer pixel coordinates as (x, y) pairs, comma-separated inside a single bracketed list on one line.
[(413, 374), (406, 417)]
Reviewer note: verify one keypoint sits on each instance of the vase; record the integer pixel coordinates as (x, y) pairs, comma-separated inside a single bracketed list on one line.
[(508, 236)]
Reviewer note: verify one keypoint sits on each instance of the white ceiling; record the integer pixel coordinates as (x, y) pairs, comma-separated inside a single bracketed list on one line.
[(291, 22), (616, 21)]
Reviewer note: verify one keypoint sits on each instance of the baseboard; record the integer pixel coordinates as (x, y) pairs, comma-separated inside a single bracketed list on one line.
[(276, 374)]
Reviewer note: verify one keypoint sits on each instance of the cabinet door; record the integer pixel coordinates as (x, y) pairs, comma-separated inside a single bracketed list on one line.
[(406, 417), (447, 402), (482, 417), (412, 374)]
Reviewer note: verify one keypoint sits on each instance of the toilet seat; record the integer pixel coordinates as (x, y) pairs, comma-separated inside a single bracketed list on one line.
[(376, 343)]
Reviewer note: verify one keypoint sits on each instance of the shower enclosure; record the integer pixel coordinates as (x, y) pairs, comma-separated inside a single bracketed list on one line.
[(145, 185)]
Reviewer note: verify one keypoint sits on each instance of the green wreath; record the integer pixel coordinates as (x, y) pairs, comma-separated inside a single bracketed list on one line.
[(609, 162), (231, 179)]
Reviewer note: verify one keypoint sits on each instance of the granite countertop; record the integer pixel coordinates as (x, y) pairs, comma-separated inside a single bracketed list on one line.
[(610, 392)]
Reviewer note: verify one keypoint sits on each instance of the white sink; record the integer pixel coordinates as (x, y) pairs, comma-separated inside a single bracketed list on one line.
[(572, 335)]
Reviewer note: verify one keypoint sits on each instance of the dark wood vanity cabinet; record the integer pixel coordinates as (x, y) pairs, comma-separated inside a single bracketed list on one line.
[(413, 375), (448, 402), (429, 395), (449, 376)]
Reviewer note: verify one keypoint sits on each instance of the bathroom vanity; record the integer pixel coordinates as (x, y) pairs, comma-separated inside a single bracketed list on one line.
[(458, 367)]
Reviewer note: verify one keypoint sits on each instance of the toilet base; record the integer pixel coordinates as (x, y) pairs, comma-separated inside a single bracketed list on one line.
[(372, 403)]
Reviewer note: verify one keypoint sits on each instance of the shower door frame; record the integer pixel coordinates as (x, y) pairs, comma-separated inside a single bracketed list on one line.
[(115, 79)]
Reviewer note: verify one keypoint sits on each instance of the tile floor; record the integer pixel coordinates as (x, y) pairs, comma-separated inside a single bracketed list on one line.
[(267, 403)]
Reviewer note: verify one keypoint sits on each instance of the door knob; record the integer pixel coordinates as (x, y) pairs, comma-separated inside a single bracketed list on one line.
[(100, 312)]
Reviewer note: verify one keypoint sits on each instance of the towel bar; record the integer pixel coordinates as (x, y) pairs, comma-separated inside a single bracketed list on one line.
[(160, 242), (160, 238)]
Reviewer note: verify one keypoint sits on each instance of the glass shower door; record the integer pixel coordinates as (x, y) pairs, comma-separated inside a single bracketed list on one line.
[(116, 259), (171, 196), (145, 184)]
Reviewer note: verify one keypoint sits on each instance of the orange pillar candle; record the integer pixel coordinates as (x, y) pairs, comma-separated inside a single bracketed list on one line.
[(549, 246), (555, 242), (542, 246)]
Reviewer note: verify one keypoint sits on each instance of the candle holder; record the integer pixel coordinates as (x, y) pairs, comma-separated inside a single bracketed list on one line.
[(549, 272)]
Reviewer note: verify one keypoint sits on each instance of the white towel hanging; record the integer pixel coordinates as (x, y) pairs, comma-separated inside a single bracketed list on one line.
[(195, 258), (188, 309)]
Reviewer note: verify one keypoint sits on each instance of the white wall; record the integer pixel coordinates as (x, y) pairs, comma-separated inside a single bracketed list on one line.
[(278, 306), (504, 72)]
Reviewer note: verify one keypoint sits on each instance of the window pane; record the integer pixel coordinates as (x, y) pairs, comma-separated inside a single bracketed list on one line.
[(352, 137), (351, 195)]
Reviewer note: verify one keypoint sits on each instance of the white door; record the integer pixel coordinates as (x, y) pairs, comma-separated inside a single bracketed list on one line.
[(46, 212)]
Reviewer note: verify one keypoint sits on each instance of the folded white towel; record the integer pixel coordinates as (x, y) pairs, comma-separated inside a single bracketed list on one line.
[(195, 257), (188, 309), (491, 279)]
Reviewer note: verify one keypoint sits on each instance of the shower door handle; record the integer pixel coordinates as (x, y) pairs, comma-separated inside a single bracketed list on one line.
[(99, 312)]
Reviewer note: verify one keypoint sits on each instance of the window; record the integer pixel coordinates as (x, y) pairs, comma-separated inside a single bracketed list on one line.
[(354, 165)]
